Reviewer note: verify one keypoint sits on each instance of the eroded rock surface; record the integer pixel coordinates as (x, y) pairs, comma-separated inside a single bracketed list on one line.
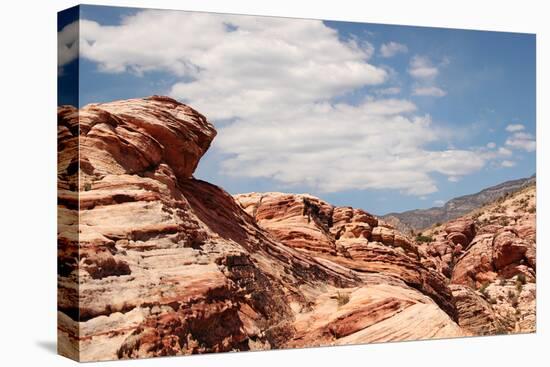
[(489, 257), (159, 263)]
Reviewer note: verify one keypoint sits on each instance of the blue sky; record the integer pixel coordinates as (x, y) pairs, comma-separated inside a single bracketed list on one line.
[(386, 118)]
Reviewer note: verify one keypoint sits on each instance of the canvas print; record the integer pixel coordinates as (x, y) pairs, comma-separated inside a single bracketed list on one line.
[(239, 183)]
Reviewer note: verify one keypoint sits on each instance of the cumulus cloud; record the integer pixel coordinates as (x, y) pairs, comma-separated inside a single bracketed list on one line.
[(271, 86), (67, 45), (234, 66), (522, 141), (491, 145), (507, 163), (379, 144), (425, 72), (439, 202), (422, 68), (504, 152), (388, 91), (391, 49), (515, 127), (428, 91)]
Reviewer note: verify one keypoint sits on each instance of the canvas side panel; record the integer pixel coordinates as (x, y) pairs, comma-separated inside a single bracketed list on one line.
[(68, 184)]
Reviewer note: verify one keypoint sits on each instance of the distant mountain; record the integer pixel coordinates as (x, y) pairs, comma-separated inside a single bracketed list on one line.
[(422, 218)]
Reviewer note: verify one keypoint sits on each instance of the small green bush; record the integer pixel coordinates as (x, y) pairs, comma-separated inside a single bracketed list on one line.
[(422, 238), (342, 298)]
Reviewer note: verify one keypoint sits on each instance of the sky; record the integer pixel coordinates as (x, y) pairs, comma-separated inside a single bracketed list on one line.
[(382, 117)]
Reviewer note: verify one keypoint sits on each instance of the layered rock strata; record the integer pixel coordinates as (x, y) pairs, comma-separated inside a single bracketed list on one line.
[(154, 262)]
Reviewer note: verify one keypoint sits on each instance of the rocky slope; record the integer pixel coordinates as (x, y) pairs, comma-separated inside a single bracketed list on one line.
[(489, 257), (419, 219), (158, 263), (153, 262)]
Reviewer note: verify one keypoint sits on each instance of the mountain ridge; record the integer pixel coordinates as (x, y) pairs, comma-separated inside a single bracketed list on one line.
[(418, 219)]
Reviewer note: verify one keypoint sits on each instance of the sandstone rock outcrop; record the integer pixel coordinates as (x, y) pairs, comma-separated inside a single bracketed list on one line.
[(476, 313), (154, 262), (351, 238), (489, 257), (164, 257)]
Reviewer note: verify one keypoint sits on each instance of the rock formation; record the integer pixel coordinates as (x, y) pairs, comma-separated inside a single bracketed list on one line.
[(489, 257), (153, 262)]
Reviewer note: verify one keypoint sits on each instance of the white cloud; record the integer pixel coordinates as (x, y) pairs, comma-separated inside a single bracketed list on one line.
[(375, 145), (439, 202), (67, 45), (388, 91), (507, 163), (515, 127), (237, 71), (391, 49), (422, 68), (425, 72), (491, 145), (523, 141), (270, 84), (504, 152), (428, 91)]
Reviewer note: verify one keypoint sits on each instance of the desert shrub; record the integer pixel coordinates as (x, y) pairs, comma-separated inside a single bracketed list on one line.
[(87, 186), (502, 282), (521, 278), (422, 238), (342, 298), (532, 210)]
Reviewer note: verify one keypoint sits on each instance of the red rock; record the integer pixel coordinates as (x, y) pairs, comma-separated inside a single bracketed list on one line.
[(163, 254), (384, 235), (527, 231), (508, 249), (172, 265), (458, 239), (531, 256), (474, 312), (299, 221), (461, 231), (512, 270), (477, 259)]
